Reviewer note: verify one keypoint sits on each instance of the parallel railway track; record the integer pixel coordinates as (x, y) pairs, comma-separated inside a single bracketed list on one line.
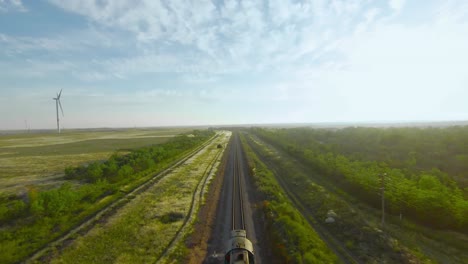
[(338, 247)]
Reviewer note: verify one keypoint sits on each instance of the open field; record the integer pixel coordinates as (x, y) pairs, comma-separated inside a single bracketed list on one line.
[(142, 230), (40, 159), (298, 177), (41, 216), (69, 136)]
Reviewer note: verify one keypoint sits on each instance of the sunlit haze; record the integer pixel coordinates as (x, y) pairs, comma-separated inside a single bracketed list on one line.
[(164, 63)]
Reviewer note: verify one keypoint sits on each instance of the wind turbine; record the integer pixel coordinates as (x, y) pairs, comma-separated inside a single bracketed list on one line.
[(57, 104)]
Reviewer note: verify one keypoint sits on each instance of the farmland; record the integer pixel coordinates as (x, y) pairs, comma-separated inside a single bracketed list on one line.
[(146, 225), (40, 158), (134, 195), (42, 212)]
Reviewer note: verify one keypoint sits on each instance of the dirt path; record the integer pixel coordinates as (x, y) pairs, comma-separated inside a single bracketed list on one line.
[(337, 246), (197, 199), (197, 242), (356, 237)]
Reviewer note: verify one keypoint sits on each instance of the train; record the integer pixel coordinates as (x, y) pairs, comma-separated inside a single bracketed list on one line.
[(239, 249)]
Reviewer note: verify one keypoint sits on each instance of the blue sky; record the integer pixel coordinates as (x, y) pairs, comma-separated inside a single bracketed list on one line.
[(159, 63)]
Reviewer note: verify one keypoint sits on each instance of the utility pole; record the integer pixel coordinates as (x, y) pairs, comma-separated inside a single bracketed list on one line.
[(382, 188)]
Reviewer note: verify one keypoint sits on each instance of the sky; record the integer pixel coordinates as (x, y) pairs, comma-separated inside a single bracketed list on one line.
[(126, 63)]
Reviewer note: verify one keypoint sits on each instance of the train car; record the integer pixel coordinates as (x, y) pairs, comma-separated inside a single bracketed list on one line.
[(239, 249)]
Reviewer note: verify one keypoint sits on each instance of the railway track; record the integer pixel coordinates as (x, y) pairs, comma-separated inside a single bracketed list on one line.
[(237, 190), (338, 247), (234, 225), (240, 248)]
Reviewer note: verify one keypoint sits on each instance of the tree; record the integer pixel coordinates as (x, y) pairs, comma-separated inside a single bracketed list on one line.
[(94, 171), (124, 172)]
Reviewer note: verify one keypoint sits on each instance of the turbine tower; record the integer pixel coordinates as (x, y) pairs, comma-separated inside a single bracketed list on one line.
[(57, 104)]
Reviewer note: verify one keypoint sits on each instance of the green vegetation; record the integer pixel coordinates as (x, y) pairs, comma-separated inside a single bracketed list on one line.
[(141, 231), (86, 146), (291, 236), (40, 159), (37, 139), (353, 158), (31, 220), (355, 234)]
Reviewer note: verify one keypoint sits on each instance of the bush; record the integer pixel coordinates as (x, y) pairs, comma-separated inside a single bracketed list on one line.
[(430, 197), (46, 214), (292, 237)]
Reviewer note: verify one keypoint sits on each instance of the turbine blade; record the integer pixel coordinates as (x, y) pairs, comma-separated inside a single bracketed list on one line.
[(61, 107), (58, 96)]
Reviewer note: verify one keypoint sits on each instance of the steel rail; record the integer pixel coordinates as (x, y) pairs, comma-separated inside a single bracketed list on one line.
[(240, 188), (237, 190), (234, 172)]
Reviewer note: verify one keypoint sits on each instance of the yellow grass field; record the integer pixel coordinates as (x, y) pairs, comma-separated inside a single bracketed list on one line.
[(40, 158)]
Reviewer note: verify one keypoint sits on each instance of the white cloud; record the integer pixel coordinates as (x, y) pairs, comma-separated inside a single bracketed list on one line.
[(235, 35), (12, 5), (200, 38), (148, 20), (71, 41), (315, 60), (398, 72), (18, 45), (396, 5)]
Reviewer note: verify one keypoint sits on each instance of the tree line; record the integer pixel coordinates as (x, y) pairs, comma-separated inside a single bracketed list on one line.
[(288, 233), (355, 157)]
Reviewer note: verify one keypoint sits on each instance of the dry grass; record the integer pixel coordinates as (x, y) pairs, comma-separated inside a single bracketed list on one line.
[(18, 172), (41, 139), (40, 159)]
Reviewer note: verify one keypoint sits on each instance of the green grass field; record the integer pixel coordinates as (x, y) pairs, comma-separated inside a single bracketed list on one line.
[(141, 230), (40, 158), (35, 216)]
